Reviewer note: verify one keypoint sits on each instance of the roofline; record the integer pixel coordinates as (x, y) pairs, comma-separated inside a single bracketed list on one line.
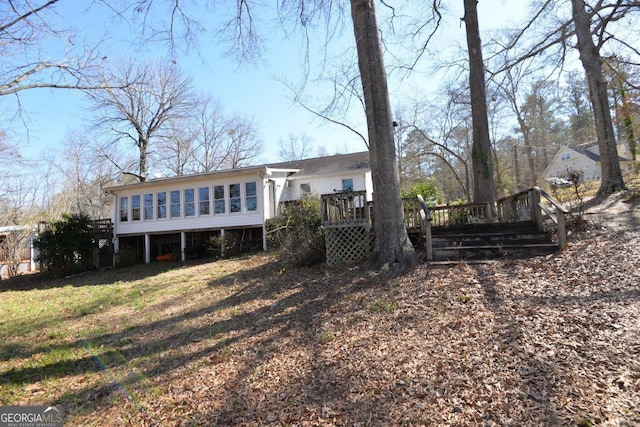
[(226, 172)]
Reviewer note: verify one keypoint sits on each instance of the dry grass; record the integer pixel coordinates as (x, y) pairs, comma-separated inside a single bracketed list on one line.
[(547, 341)]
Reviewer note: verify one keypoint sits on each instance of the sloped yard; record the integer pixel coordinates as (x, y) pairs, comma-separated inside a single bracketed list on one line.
[(546, 341)]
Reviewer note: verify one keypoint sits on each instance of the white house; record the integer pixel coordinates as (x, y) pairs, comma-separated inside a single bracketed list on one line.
[(175, 217), (585, 158)]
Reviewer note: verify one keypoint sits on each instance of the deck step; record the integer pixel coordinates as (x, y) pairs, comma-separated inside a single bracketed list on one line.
[(474, 242)]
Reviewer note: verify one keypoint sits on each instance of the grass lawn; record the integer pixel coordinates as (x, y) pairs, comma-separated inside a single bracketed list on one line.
[(547, 341)]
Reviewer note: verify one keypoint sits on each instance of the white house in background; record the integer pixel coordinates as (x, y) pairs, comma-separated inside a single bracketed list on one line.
[(585, 158), (180, 215)]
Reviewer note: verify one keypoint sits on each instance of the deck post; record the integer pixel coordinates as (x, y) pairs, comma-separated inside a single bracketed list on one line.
[(534, 206), (562, 229), (183, 246), (147, 248), (425, 218), (489, 212)]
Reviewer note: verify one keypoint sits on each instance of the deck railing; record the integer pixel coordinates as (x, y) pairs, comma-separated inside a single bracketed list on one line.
[(343, 209)]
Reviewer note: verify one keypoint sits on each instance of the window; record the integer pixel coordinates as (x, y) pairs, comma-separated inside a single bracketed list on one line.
[(135, 207), (305, 189), (235, 203), (347, 184), (203, 201), (251, 196), (189, 202), (148, 206), (175, 204), (124, 209), (565, 156), (162, 204), (218, 195)]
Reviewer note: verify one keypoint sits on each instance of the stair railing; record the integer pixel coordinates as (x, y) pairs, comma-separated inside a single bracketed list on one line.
[(425, 218), (556, 212)]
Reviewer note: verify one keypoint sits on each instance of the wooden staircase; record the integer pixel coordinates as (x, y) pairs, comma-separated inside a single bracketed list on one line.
[(490, 241), (525, 224)]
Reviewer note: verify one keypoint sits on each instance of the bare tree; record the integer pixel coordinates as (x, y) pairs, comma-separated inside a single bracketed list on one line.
[(147, 98), (244, 147), (24, 28), (483, 188), (176, 151), (295, 147), (222, 141), (83, 173), (592, 63), (392, 242), (590, 28)]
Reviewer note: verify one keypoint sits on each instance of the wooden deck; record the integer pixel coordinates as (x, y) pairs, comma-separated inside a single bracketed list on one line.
[(351, 210)]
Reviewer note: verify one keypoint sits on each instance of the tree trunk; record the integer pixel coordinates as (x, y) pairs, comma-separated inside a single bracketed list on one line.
[(592, 63), (483, 186), (392, 241)]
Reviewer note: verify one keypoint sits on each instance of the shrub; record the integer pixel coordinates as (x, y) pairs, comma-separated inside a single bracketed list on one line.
[(427, 189), (66, 246), (297, 231)]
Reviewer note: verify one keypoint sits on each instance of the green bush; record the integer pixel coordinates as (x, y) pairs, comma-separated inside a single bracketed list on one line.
[(66, 246), (427, 189), (298, 233)]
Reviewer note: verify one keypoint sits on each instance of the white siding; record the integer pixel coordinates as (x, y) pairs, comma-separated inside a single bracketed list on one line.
[(197, 221), (329, 184), (567, 159)]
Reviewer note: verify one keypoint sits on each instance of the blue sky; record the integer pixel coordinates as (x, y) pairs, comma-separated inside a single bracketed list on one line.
[(252, 90)]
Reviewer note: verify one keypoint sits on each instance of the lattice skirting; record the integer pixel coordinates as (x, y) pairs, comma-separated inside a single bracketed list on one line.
[(347, 244)]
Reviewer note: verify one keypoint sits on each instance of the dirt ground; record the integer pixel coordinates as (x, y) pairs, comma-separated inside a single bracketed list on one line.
[(621, 211)]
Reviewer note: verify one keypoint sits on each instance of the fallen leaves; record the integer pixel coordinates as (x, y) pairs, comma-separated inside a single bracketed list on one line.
[(552, 340)]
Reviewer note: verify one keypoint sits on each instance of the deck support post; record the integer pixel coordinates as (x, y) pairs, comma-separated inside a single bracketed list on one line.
[(425, 216), (183, 245), (147, 248), (562, 229), (534, 206)]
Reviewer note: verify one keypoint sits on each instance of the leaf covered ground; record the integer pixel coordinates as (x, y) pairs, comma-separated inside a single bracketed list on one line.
[(550, 340)]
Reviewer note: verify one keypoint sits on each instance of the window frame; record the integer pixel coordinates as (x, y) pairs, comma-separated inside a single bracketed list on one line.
[(136, 212), (219, 202), (204, 203), (147, 208), (188, 203), (175, 208), (251, 200), (344, 181), (235, 198), (124, 209), (162, 205), (305, 193)]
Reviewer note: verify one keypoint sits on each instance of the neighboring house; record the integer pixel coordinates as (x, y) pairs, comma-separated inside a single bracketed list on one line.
[(17, 254), (585, 158), (179, 216)]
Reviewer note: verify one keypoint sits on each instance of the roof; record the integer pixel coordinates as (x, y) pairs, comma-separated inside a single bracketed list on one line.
[(315, 166), (585, 150), (326, 165)]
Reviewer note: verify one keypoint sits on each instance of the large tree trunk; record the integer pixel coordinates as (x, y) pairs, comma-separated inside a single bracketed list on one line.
[(592, 63), (483, 186), (392, 241)]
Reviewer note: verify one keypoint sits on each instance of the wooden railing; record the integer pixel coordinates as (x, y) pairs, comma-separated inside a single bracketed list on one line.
[(449, 215), (351, 208), (538, 206), (345, 208), (533, 205)]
